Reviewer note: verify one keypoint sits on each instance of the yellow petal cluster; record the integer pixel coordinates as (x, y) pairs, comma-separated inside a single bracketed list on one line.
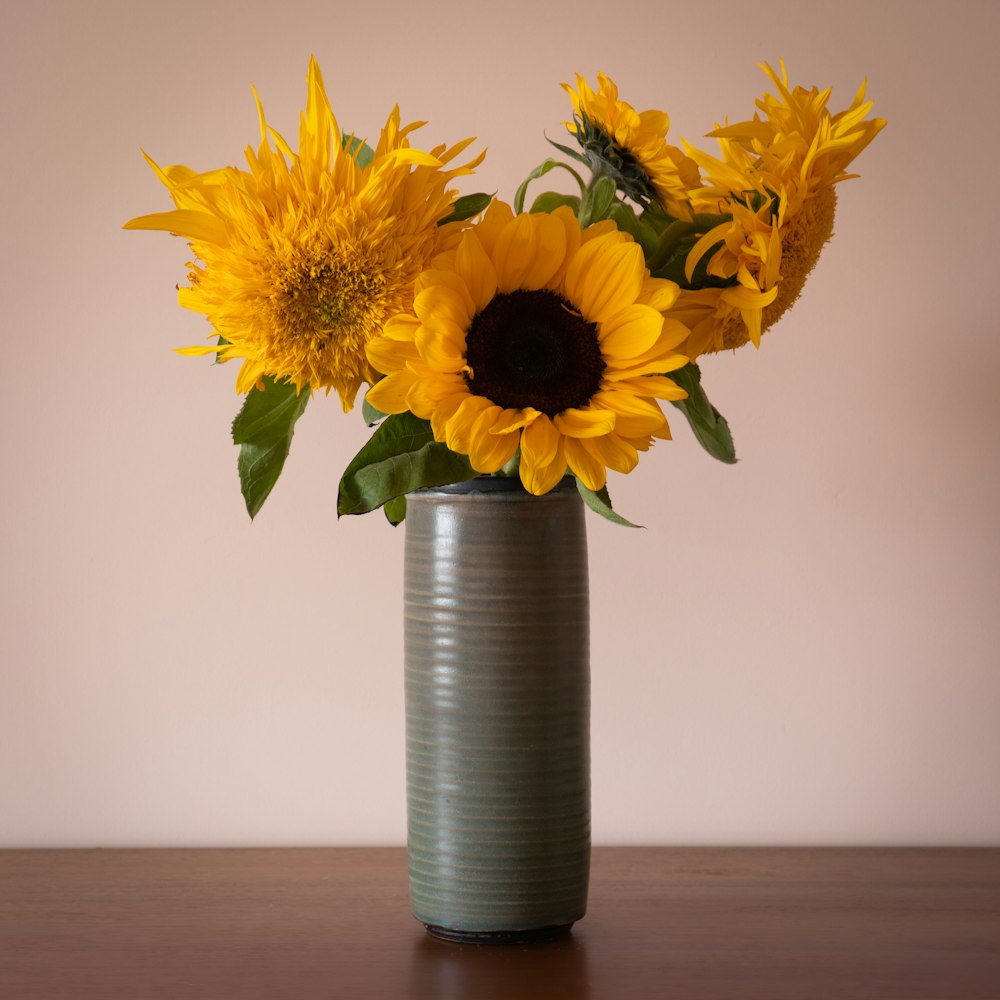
[(519, 297), (775, 180), (302, 257)]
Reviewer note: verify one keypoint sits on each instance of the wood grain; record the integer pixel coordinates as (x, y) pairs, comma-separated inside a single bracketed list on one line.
[(685, 924)]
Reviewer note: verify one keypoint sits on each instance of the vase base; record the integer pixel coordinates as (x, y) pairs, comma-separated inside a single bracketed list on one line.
[(500, 937)]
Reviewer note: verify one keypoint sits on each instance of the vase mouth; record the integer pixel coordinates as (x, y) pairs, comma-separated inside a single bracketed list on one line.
[(495, 484)]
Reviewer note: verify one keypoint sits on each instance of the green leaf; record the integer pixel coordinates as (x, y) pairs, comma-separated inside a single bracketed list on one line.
[(549, 201), (354, 145), (601, 503), (540, 171), (709, 426), (466, 207), (370, 414), (597, 200), (656, 216), (395, 511), (628, 222), (401, 456), (263, 429), (675, 241)]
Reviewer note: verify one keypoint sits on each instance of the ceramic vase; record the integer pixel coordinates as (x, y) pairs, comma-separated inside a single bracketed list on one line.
[(497, 709)]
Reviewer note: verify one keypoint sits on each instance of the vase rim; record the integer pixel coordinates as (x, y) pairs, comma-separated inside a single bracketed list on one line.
[(493, 484)]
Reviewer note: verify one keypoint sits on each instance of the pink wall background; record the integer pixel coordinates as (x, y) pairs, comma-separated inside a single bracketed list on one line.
[(800, 649)]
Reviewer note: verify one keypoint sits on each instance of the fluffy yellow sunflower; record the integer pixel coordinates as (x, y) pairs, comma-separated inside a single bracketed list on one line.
[(532, 333), (305, 255), (631, 146), (776, 180)]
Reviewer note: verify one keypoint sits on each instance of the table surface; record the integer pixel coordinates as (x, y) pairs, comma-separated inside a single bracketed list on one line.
[(332, 923)]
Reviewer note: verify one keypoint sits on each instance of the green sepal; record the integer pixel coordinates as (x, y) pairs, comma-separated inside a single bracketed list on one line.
[(395, 511), (370, 415), (365, 154), (549, 201), (400, 457), (512, 467), (222, 343), (466, 207), (568, 151), (600, 501), (540, 171), (263, 429), (597, 200), (709, 426)]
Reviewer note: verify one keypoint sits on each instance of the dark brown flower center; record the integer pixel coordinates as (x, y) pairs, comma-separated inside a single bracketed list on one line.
[(532, 349)]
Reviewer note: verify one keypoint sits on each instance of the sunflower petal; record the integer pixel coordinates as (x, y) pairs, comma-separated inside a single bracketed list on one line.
[(515, 420), (660, 293), (543, 463), (587, 423), (476, 269), (635, 416), (189, 298), (199, 351), (496, 217), (747, 298), (631, 332), (489, 452), (528, 251), (447, 297), (605, 277), (432, 389), (442, 412), (441, 344), (540, 441), (654, 385), (458, 429), (613, 451), (387, 354), (590, 470), (389, 394), (189, 223)]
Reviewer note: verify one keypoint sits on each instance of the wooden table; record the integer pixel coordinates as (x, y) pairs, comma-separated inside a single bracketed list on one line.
[(334, 924)]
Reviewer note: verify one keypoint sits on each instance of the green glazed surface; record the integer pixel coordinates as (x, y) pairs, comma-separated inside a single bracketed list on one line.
[(497, 707)]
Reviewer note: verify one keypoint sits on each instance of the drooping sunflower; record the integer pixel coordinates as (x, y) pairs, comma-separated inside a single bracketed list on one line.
[(776, 180), (631, 147), (532, 333), (305, 255)]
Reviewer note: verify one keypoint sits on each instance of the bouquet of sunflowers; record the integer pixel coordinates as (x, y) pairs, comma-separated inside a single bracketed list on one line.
[(497, 340)]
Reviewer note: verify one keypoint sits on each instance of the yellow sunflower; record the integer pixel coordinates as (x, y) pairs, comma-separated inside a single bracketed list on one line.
[(536, 334), (631, 146), (775, 179), (306, 254)]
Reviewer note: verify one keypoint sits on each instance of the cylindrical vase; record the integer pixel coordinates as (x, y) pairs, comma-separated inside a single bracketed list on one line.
[(497, 654)]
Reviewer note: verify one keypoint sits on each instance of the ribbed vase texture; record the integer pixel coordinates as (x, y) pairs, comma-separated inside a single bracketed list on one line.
[(497, 706)]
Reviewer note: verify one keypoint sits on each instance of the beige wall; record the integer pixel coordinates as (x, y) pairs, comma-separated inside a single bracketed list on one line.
[(800, 649)]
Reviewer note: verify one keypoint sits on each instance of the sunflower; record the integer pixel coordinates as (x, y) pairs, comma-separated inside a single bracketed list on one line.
[(306, 254), (532, 333), (631, 147), (775, 180)]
